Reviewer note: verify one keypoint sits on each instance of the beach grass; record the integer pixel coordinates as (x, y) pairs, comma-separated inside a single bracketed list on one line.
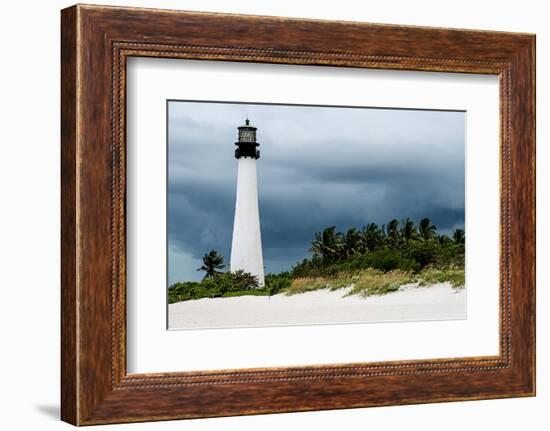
[(429, 276), (368, 282)]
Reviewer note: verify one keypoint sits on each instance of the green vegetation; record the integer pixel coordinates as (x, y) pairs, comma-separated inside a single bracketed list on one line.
[(374, 260), (218, 285), (367, 282), (211, 263), (229, 284)]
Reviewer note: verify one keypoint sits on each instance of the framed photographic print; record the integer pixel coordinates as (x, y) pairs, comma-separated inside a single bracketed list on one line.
[(265, 214), (320, 167)]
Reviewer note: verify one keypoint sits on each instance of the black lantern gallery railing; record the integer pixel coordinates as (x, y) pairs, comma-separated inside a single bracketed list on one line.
[(247, 152)]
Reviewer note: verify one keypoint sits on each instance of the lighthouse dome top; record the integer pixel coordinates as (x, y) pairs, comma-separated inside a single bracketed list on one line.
[(247, 142), (247, 125)]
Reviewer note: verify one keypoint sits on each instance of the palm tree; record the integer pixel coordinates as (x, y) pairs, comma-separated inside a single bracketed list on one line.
[(444, 239), (327, 243), (392, 229), (459, 236), (383, 231), (211, 263), (351, 242), (426, 228), (392, 232), (372, 237), (408, 230)]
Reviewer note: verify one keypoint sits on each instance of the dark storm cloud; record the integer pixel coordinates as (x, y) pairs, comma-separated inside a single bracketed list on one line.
[(318, 167)]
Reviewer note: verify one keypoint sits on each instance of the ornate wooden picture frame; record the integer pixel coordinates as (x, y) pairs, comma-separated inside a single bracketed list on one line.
[(96, 41)]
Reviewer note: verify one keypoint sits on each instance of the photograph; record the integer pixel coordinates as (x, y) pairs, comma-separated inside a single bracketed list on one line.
[(301, 214)]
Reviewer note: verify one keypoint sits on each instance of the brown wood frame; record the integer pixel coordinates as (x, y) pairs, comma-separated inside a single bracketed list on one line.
[(95, 43)]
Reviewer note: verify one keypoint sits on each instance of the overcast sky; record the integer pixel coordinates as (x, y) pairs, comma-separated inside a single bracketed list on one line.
[(319, 166)]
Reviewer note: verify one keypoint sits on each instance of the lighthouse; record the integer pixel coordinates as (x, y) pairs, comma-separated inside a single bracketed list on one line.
[(246, 246)]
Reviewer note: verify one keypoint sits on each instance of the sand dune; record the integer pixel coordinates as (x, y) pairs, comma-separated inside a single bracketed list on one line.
[(437, 302)]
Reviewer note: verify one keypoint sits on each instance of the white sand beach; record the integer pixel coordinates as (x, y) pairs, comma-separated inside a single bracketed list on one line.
[(437, 302)]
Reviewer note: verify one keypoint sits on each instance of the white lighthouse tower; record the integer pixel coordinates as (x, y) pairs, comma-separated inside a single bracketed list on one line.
[(246, 246)]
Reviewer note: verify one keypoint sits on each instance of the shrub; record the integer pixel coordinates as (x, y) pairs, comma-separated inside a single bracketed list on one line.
[(186, 290), (214, 287), (239, 280), (450, 255), (388, 260), (307, 267), (274, 283), (424, 253)]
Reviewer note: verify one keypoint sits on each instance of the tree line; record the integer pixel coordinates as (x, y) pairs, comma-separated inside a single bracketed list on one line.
[(394, 245), (331, 245)]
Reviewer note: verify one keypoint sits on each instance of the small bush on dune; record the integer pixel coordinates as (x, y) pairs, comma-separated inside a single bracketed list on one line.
[(238, 280), (275, 283)]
